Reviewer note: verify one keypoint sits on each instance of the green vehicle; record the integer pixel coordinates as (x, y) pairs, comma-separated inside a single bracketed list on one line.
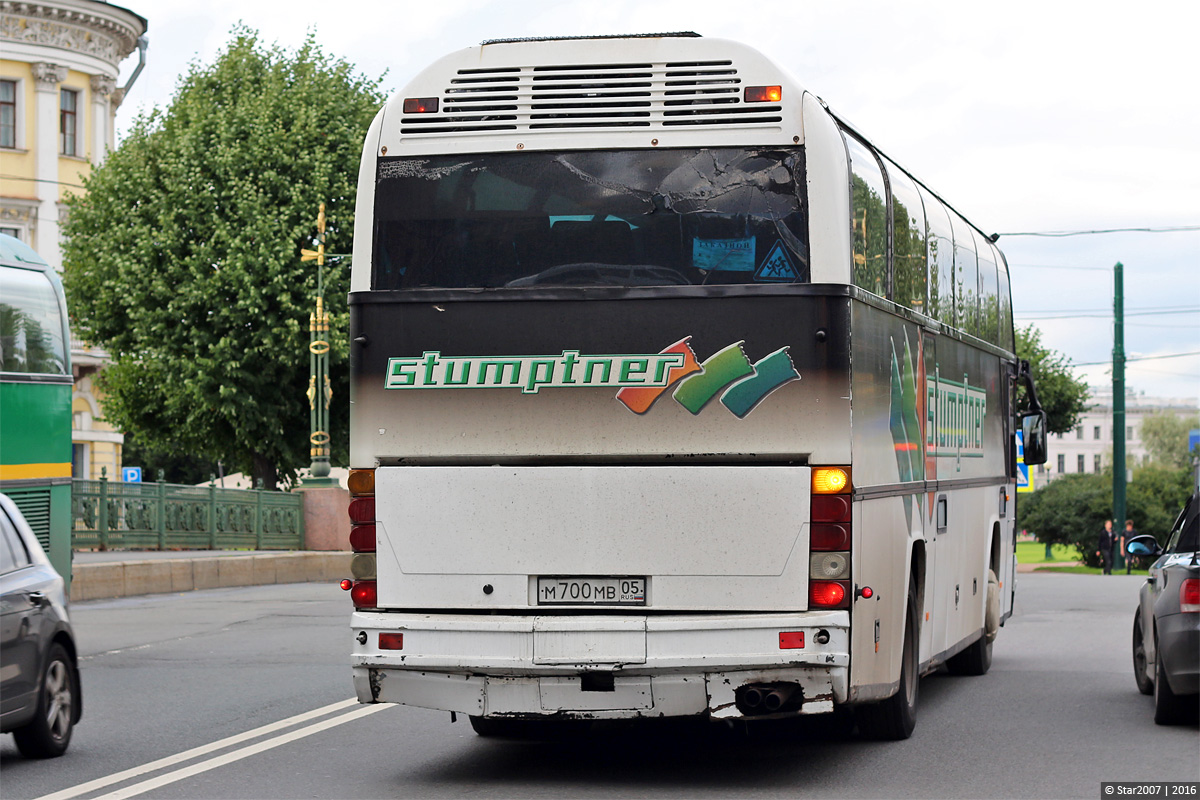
[(35, 398)]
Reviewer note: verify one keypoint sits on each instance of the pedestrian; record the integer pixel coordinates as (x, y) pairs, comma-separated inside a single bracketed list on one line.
[(1108, 538), (1126, 535)]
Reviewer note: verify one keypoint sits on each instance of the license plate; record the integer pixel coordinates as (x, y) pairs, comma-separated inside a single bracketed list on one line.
[(608, 591)]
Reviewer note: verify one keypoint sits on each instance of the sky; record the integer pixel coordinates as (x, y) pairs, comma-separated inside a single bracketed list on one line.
[(1027, 117)]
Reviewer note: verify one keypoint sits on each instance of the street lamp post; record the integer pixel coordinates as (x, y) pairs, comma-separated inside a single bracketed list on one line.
[(320, 391)]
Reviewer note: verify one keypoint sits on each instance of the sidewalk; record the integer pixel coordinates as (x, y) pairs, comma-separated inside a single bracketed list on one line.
[(1039, 564), (127, 573)]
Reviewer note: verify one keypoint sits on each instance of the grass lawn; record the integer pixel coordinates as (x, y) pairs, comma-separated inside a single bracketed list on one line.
[(1035, 553)]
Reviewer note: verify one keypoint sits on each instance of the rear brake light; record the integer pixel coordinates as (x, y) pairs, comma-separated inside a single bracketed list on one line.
[(363, 594), (831, 508), (791, 640), (362, 538), (1189, 596), (828, 594), (391, 641), (362, 509), (830, 537)]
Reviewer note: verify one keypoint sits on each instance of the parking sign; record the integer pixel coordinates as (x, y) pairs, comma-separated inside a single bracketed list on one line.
[(131, 474)]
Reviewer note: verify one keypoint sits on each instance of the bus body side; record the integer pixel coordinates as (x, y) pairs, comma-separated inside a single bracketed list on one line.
[(35, 398)]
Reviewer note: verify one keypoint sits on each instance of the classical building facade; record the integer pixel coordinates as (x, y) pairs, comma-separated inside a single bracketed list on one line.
[(1089, 447), (59, 94)]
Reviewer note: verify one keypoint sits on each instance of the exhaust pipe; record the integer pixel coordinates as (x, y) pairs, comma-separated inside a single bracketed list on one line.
[(779, 697), (754, 696)]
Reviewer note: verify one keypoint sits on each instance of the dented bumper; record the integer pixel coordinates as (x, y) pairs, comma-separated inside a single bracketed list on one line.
[(598, 666)]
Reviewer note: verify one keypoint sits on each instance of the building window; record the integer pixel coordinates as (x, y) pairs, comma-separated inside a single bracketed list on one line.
[(1095, 463), (8, 114), (1079, 432), (68, 125), (1129, 433), (13, 232), (1079, 464), (1096, 432), (1062, 463)]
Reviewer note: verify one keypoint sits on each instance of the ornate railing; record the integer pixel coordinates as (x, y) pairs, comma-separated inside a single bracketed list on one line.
[(109, 515)]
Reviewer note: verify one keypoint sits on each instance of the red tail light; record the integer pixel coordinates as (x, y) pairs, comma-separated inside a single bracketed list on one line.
[(362, 538), (391, 641), (1189, 596), (830, 508), (830, 537), (362, 509), (828, 594), (363, 594)]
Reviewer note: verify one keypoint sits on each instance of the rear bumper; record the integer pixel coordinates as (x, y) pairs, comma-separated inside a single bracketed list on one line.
[(670, 665), (1179, 640)]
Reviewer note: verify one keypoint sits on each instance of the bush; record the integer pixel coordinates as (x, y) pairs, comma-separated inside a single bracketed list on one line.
[(1071, 509)]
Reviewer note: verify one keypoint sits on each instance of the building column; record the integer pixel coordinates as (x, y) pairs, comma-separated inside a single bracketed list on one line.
[(102, 87), (46, 78)]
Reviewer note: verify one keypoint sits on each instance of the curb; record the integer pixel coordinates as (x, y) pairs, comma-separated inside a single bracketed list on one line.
[(102, 581)]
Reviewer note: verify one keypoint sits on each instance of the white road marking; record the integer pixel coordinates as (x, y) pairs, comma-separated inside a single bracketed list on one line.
[(238, 755), (187, 755)]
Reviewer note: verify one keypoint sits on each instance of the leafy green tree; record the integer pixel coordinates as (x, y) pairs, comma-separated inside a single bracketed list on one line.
[(182, 260), (1166, 438), (1071, 509), (1062, 395)]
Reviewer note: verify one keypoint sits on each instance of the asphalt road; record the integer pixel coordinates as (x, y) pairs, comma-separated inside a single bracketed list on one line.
[(178, 689)]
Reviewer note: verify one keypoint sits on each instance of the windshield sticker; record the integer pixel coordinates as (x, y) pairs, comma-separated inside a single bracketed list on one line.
[(777, 267), (728, 255), (639, 378)]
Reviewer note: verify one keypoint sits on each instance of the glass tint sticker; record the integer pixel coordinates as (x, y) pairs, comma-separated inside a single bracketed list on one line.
[(729, 255), (777, 267)]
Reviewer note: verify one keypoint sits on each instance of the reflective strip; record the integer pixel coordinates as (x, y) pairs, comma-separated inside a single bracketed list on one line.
[(16, 472)]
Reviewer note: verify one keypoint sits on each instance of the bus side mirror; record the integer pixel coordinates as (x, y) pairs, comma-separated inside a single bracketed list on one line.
[(1033, 431)]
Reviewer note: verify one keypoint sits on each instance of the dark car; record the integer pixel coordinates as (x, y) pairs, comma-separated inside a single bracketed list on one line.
[(1166, 627), (40, 700)]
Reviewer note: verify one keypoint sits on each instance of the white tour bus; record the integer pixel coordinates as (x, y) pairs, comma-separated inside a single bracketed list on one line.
[(671, 395)]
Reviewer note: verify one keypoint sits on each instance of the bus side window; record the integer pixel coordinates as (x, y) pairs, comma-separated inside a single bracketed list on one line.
[(966, 277), (941, 259), (868, 220), (908, 237), (1006, 311), (988, 321)]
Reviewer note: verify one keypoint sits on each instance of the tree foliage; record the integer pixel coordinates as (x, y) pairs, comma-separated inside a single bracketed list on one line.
[(1166, 438), (1062, 395), (182, 259), (1072, 509)]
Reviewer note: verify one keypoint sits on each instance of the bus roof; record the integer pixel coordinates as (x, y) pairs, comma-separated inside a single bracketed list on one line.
[(14, 252)]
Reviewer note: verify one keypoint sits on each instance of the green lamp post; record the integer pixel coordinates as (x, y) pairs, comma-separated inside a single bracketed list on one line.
[(320, 391)]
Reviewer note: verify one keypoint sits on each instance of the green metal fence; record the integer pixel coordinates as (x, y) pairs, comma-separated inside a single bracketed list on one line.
[(109, 515)]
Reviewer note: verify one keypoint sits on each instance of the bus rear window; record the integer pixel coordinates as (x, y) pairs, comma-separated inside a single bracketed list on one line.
[(31, 324), (593, 218)]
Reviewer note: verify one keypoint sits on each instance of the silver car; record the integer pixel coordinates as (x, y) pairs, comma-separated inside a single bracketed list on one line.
[(1166, 626), (40, 699)]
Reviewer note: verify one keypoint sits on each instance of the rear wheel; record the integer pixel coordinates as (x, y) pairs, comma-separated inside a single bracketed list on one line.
[(896, 717), (1169, 708), (1144, 684), (977, 658), (49, 733)]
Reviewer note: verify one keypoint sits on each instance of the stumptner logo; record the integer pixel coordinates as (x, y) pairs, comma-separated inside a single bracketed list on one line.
[(640, 378)]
